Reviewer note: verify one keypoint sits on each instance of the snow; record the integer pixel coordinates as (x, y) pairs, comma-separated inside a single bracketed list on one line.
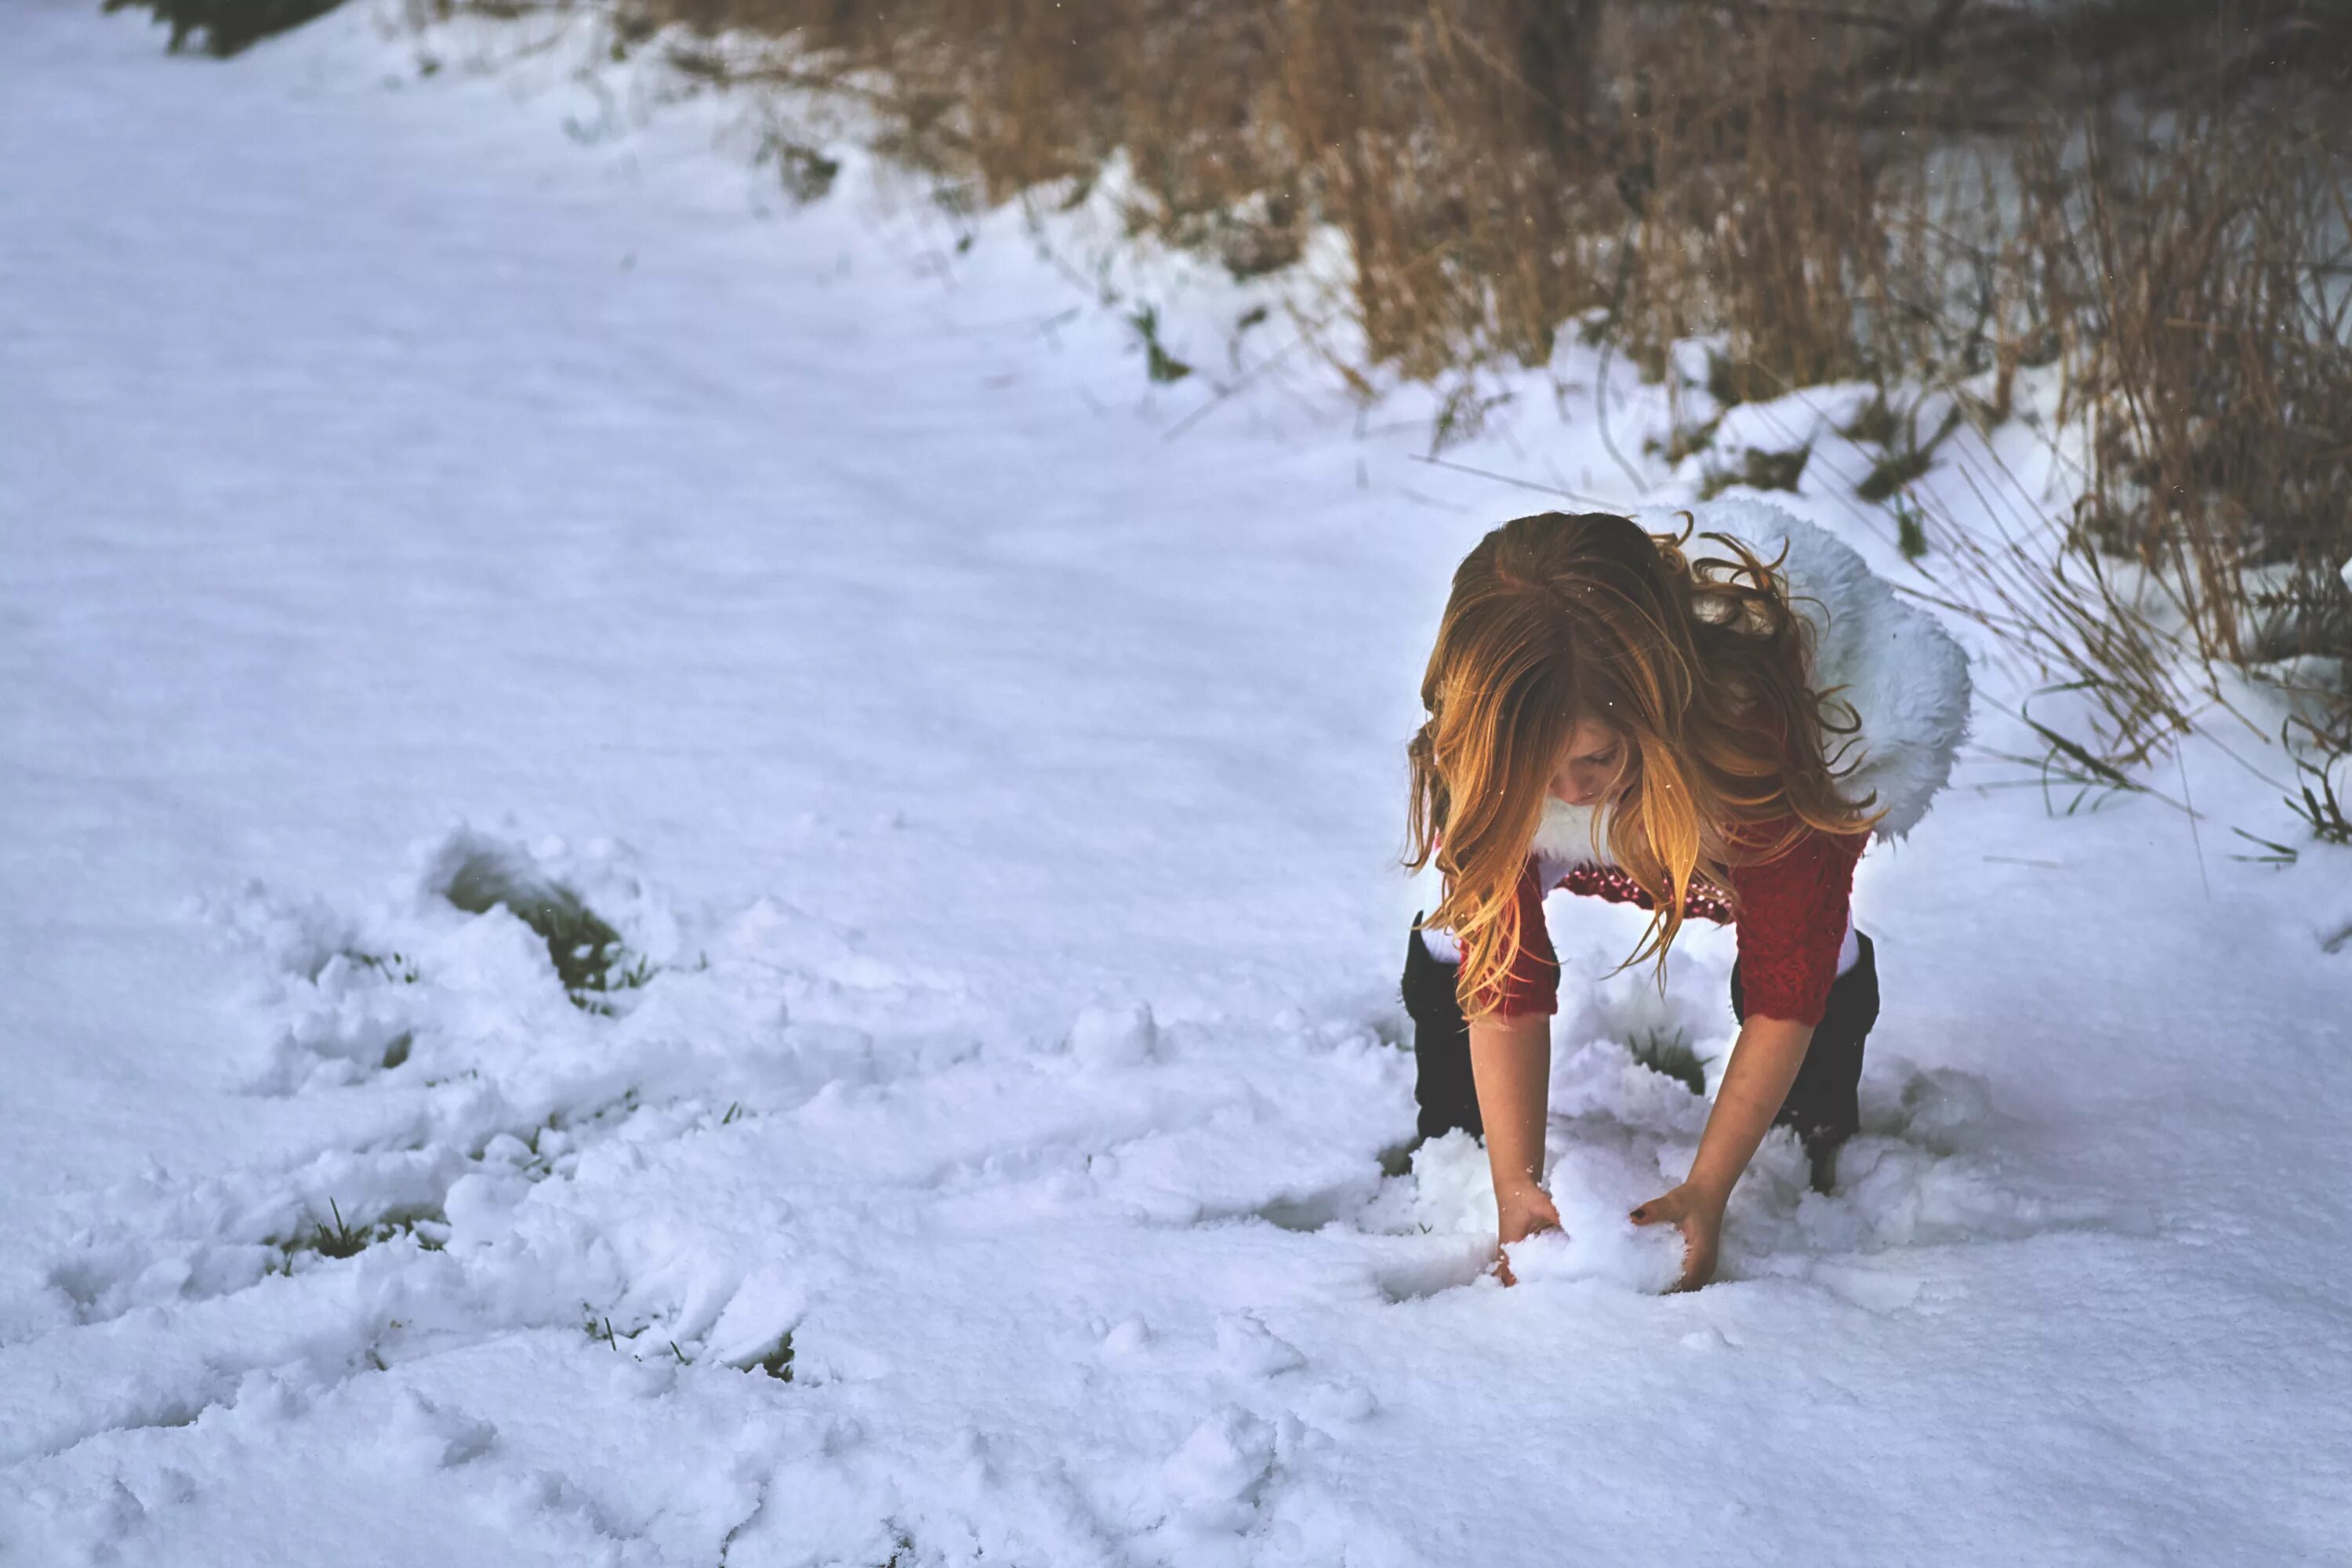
[(1001, 1153)]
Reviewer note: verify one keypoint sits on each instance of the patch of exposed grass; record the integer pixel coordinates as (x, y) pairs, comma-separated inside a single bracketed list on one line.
[(2273, 853), (1891, 471), (1906, 456), (2316, 802), (1461, 412), (589, 955), (778, 1362), (1876, 425), (1758, 470), (2068, 763), (806, 174), (335, 1238), (1159, 364), (1731, 381), (1910, 531), (1671, 1055), (392, 966), (1684, 439)]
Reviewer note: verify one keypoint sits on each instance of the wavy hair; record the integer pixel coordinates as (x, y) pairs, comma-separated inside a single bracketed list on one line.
[(1702, 667)]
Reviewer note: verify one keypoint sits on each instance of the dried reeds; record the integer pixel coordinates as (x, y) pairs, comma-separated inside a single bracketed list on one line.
[(1922, 192)]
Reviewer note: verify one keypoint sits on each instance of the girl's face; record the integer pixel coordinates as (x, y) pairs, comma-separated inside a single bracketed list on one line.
[(1592, 765)]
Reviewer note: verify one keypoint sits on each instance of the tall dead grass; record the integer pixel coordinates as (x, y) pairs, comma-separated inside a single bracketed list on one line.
[(2149, 193)]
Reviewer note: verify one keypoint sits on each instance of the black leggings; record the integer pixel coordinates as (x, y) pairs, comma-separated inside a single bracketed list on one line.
[(1821, 1104)]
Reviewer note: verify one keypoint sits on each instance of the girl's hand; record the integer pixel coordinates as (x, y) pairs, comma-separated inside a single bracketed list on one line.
[(1518, 1214), (1522, 1211), (1699, 1216)]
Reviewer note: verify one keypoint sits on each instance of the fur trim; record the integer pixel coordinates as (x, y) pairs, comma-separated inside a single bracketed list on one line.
[(1907, 678)]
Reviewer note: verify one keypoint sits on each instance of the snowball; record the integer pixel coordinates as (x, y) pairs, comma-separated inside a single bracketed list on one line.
[(1612, 1251), (1214, 1477), (1129, 1336), (1114, 1036), (1250, 1350)]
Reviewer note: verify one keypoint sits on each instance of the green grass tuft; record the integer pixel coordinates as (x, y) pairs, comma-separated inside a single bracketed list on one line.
[(1684, 439), (1910, 532), (2320, 808), (805, 174), (1672, 1055), (1731, 381), (589, 956), (1758, 470), (1877, 424), (335, 1238), (1892, 472), (1158, 363), (400, 971)]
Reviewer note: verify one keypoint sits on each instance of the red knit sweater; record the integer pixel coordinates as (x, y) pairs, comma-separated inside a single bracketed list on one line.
[(1790, 915)]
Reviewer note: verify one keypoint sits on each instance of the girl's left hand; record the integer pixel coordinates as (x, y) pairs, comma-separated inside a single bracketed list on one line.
[(1700, 1219)]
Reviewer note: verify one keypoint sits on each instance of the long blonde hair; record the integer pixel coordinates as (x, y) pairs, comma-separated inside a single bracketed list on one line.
[(1556, 620)]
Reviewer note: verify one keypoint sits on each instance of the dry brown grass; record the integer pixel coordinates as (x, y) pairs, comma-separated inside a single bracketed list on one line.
[(2207, 281), (1940, 191)]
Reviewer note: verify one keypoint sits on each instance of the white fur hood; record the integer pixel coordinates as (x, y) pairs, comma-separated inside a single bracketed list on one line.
[(1907, 678)]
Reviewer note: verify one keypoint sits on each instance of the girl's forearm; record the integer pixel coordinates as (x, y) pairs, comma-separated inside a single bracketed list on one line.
[(1764, 1063), (1510, 1062)]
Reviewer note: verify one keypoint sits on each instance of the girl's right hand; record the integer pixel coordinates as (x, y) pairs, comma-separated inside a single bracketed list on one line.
[(1518, 1214), (1522, 1211), (1700, 1219)]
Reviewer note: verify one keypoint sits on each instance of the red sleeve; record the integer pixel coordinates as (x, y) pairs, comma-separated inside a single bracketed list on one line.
[(1532, 986), (1793, 918)]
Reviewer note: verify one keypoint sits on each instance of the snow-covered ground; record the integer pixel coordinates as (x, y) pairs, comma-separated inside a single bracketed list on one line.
[(995, 785)]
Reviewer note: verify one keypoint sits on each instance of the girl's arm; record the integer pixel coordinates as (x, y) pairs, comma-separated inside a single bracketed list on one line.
[(1510, 1061), (1510, 1065), (1794, 910), (1764, 1063)]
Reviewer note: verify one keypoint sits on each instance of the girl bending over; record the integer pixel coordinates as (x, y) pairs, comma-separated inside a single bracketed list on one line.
[(1610, 715)]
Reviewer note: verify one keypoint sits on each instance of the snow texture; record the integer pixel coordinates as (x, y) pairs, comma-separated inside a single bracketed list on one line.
[(691, 883)]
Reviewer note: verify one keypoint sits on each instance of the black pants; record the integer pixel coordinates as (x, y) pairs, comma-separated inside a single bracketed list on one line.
[(1821, 1104)]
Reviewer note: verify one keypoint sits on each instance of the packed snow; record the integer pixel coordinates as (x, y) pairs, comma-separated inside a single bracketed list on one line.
[(691, 883)]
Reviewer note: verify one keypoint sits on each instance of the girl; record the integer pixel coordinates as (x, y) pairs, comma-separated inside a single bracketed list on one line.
[(1703, 734)]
